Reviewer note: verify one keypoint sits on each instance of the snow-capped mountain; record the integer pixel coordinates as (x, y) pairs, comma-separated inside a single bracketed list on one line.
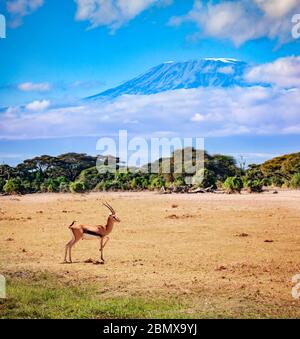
[(177, 75)]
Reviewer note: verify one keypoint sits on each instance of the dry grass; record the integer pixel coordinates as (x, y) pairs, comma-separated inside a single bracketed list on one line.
[(223, 255)]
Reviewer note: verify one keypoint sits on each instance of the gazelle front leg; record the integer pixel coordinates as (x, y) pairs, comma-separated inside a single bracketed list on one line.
[(73, 242), (70, 250), (103, 242), (67, 250)]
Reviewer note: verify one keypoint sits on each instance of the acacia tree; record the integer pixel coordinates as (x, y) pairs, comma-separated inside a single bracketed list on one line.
[(72, 164)]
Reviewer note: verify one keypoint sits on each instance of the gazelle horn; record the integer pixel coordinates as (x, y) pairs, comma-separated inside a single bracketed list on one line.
[(109, 207)]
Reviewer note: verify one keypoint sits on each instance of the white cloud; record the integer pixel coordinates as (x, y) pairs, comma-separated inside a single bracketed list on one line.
[(283, 72), (35, 87), (20, 8), (277, 8), (186, 112), (37, 106), (198, 118), (241, 21), (113, 13)]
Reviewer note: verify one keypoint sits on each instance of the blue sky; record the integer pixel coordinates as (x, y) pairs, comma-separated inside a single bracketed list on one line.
[(59, 51)]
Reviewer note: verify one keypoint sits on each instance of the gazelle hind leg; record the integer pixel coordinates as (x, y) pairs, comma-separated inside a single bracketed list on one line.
[(103, 242)]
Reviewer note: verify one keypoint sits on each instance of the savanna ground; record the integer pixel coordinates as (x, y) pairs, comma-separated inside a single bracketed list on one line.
[(172, 256)]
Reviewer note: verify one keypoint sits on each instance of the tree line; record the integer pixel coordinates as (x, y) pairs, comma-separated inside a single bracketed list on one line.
[(77, 172)]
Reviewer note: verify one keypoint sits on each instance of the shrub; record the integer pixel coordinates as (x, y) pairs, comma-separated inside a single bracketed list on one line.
[(100, 187), (179, 182), (295, 181), (103, 186), (77, 187), (43, 188), (35, 185), (145, 183), (204, 178), (64, 187), (233, 184), (61, 180), (27, 187), (12, 186), (2, 183), (157, 183), (90, 177), (252, 186), (276, 181), (134, 184)]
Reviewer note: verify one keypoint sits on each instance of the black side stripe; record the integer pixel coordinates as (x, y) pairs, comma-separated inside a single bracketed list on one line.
[(92, 233)]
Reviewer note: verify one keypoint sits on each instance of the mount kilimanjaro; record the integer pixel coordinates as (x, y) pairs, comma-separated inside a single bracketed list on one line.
[(208, 72)]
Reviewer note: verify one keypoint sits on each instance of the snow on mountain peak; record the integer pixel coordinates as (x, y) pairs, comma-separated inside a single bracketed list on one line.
[(230, 60), (171, 75)]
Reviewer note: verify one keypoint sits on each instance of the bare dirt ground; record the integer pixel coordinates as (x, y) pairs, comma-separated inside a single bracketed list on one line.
[(233, 255)]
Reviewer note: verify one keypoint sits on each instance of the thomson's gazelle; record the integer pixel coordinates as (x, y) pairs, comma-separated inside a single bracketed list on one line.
[(92, 232)]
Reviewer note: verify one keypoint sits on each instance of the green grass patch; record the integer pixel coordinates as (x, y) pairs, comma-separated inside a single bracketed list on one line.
[(47, 296)]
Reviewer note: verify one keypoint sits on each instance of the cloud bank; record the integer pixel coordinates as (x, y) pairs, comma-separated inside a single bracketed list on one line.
[(283, 72), (194, 112)]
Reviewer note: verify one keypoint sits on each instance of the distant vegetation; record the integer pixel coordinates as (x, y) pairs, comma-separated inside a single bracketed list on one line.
[(77, 173)]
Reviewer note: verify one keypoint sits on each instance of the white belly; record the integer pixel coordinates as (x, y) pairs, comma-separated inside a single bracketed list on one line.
[(90, 237)]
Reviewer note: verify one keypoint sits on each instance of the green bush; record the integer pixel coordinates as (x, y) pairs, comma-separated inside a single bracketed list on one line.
[(145, 183), (77, 187), (12, 186), (134, 184), (61, 180), (204, 178), (103, 186), (27, 187), (295, 181), (233, 184), (276, 181), (253, 186), (43, 188), (2, 183), (157, 183), (52, 186), (90, 177), (64, 187), (179, 182)]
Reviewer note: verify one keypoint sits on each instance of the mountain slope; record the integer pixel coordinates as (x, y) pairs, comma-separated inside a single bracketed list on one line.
[(177, 75)]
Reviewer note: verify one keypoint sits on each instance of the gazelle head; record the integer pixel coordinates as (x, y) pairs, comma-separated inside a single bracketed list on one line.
[(112, 214)]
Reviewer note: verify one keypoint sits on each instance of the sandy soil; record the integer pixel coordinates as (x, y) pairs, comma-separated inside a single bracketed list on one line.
[(224, 253)]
